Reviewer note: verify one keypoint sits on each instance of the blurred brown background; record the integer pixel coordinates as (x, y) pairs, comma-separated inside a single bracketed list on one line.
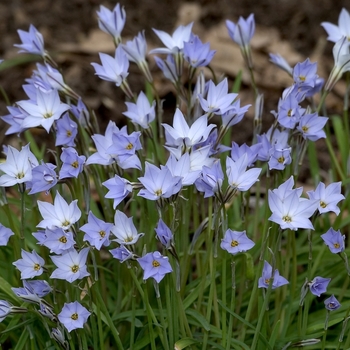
[(289, 27)]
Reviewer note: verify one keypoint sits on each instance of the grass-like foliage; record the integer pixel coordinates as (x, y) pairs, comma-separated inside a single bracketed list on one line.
[(152, 235)]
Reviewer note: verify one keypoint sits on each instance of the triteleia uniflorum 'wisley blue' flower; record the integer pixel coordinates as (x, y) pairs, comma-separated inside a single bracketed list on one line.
[(181, 134), (267, 274), (17, 168), (332, 303), (279, 157), (30, 265), (96, 231), (114, 69), (292, 212), (236, 242), (124, 229), (155, 265), (60, 214), (280, 62), (239, 177), (72, 163), (164, 234), (119, 188), (44, 111), (196, 53), (141, 112), (174, 43), (67, 130), (112, 22), (242, 33), (32, 41), (319, 285), (71, 265), (122, 254), (334, 32), (57, 240), (341, 55), (159, 183), (73, 315), (44, 178), (328, 197), (311, 126), (5, 234), (218, 100), (334, 240)]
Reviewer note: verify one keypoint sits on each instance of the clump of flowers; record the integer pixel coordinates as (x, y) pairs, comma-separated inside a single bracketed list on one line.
[(123, 227)]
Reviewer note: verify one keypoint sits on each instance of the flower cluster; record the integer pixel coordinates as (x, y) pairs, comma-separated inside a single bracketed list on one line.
[(101, 195)]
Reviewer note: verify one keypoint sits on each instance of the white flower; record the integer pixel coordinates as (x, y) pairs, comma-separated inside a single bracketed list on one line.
[(60, 214)]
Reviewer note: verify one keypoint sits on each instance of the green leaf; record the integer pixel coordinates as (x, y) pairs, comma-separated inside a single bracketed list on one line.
[(6, 288), (184, 343), (199, 318)]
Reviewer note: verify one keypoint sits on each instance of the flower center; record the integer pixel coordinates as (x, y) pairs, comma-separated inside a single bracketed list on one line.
[(289, 113), (305, 128), (20, 175), (65, 223), (75, 268), (37, 267), (102, 233), (267, 280), (280, 159), (75, 164), (323, 204), (234, 243), (69, 133), (158, 192), (286, 218), (74, 317), (63, 239), (129, 146), (128, 239), (155, 263), (336, 245), (48, 115), (302, 77)]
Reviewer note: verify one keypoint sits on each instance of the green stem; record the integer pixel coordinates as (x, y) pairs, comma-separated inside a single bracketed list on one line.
[(109, 319)]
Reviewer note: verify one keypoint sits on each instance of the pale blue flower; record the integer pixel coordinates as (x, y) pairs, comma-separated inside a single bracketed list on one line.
[(114, 69), (332, 303), (164, 234), (334, 240), (236, 242), (124, 229), (73, 315), (96, 231), (32, 41), (44, 111), (238, 176), (112, 22), (155, 265), (60, 214), (17, 168), (267, 274), (218, 100), (242, 32), (72, 163), (119, 188), (311, 126), (319, 285), (141, 112), (5, 234), (334, 32), (175, 43), (328, 197), (181, 134), (159, 183), (71, 265), (30, 265), (292, 212)]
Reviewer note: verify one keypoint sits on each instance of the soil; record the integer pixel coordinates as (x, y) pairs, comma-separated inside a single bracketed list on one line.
[(70, 33)]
